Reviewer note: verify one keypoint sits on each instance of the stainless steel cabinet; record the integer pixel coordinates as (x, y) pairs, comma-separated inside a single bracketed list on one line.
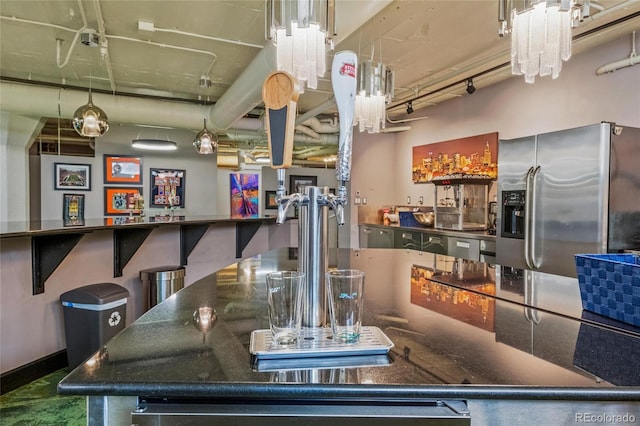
[(375, 237), (434, 243), (465, 248), (407, 239)]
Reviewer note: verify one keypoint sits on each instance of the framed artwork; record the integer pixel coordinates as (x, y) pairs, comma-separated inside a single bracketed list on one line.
[(75, 177), (244, 195), (119, 200), (167, 188), (296, 181), (122, 169), (270, 200), (73, 209), (473, 156)]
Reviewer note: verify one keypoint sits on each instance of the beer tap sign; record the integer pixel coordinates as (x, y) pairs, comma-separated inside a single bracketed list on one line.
[(280, 93), (343, 80)]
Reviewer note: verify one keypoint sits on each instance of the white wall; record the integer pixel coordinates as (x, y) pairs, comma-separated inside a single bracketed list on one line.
[(513, 108), (201, 177)]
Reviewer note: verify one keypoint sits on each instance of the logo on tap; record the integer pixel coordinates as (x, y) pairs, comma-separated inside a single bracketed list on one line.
[(349, 69)]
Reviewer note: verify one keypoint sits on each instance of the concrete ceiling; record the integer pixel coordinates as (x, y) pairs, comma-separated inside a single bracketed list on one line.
[(433, 46)]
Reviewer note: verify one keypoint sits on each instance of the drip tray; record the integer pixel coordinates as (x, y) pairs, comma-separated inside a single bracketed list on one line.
[(318, 343)]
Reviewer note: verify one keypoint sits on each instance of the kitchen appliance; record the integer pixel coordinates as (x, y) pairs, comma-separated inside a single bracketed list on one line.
[(461, 202), (493, 216), (567, 192)]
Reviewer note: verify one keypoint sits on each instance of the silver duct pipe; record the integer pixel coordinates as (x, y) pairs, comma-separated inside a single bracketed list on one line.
[(41, 101), (246, 92)]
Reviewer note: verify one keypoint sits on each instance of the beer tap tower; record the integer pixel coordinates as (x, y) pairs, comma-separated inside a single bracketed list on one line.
[(280, 94)]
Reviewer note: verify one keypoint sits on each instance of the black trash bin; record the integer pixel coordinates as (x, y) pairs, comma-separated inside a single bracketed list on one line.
[(93, 314), (162, 282)]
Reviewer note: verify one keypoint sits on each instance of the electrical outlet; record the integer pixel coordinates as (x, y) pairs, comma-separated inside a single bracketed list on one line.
[(408, 199), (364, 200), (421, 200)]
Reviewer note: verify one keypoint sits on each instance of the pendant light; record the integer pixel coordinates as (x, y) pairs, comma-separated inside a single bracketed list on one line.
[(206, 141), (301, 30), (90, 121), (540, 35)]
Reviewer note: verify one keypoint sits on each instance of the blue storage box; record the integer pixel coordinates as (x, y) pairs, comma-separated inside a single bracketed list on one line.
[(408, 219), (610, 285)]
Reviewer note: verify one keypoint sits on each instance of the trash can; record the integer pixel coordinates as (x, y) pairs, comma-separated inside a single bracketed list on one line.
[(93, 314), (162, 282)]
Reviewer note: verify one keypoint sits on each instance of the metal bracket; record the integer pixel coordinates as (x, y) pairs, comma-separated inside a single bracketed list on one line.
[(125, 244), (190, 235), (244, 233), (47, 252)]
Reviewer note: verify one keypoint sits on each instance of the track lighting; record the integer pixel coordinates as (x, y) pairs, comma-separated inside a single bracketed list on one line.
[(470, 87), (410, 107)]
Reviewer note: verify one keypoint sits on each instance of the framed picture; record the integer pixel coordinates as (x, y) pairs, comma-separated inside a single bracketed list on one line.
[(295, 182), (167, 188), (122, 169), (73, 209), (270, 200), (76, 177), (244, 195), (120, 200)]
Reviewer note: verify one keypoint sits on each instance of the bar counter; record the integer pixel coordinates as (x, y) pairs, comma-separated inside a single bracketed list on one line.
[(474, 343)]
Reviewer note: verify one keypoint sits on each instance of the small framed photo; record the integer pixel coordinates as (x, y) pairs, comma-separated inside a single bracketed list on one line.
[(119, 200), (296, 181), (76, 177), (73, 209), (167, 188), (270, 200), (122, 169)]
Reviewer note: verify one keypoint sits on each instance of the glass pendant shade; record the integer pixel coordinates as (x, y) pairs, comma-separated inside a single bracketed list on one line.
[(541, 39), (300, 31), (90, 121), (206, 141), (375, 90)]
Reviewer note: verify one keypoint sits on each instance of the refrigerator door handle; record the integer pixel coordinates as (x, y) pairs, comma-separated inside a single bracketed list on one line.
[(527, 216), (532, 218)]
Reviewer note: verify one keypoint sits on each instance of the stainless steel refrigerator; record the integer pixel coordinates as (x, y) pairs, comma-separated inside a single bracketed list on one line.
[(568, 192)]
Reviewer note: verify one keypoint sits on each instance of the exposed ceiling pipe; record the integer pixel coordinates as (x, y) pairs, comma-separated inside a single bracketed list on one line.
[(246, 92), (321, 127), (104, 44), (316, 110), (632, 60)]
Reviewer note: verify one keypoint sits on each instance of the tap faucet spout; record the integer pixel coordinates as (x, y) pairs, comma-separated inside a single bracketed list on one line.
[(284, 203)]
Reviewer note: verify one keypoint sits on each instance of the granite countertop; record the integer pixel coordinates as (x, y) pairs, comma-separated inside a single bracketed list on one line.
[(460, 329), (50, 227), (478, 235)]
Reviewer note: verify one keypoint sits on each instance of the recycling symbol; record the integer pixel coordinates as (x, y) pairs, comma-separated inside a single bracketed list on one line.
[(114, 319)]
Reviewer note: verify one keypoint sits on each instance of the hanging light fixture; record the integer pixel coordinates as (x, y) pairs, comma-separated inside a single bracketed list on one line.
[(375, 90), (90, 121), (154, 144), (206, 141), (301, 29), (540, 36)]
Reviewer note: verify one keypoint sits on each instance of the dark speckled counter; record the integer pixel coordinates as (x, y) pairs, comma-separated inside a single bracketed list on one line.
[(513, 346)]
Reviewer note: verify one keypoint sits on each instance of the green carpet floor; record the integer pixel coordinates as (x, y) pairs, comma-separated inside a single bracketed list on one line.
[(38, 404)]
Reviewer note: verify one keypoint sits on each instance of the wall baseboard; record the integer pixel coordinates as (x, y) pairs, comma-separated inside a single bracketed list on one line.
[(34, 370)]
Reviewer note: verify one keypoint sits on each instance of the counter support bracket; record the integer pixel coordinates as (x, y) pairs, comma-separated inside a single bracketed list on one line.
[(190, 235), (47, 252), (125, 244), (244, 233)]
